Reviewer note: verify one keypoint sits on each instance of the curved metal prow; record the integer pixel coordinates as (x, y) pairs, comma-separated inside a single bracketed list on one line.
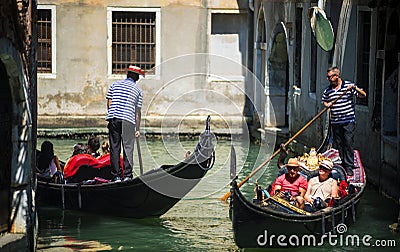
[(208, 124), (233, 163)]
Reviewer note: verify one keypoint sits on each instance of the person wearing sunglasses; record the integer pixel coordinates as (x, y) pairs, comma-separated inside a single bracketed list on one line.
[(342, 115), (291, 186), (322, 188)]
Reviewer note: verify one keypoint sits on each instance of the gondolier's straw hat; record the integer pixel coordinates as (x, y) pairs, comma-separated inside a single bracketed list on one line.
[(136, 69), (293, 162)]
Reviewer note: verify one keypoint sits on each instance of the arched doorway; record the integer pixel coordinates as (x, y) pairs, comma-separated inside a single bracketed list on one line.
[(5, 150), (278, 81), (260, 52)]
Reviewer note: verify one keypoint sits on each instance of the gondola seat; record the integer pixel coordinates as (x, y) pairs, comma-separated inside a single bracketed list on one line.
[(83, 167)]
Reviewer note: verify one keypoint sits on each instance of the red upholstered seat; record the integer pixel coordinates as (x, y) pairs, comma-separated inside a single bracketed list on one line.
[(80, 160)]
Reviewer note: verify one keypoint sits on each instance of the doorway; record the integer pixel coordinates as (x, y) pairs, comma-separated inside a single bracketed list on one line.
[(5, 148), (278, 82)]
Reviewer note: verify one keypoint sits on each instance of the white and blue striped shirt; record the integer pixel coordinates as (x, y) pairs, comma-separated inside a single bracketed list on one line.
[(343, 110), (125, 96)]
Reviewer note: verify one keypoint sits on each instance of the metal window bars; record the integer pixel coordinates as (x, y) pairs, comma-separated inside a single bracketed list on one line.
[(133, 41), (44, 59)]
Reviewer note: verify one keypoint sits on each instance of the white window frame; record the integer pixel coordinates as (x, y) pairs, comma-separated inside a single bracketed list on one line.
[(157, 11), (53, 73)]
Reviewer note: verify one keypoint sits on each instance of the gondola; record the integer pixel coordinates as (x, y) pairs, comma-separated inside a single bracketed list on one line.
[(149, 195), (259, 225)]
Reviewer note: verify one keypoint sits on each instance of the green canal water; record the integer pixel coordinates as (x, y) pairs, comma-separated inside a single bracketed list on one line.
[(200, 221)]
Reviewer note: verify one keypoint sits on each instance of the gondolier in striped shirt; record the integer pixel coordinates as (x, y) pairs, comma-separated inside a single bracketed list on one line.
[(342, 115), (124, 102)]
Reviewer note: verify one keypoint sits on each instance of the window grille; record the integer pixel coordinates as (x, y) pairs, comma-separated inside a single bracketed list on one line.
[(44, 41), (133, 41)]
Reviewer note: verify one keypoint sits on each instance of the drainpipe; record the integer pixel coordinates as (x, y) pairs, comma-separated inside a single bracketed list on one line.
[(251, 5), (321, 4)]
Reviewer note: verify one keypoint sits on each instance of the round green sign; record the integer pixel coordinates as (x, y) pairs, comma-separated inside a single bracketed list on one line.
[(321, 28)]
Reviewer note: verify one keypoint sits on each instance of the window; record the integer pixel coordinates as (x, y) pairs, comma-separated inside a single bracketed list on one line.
[(364, 34), (134, 39), (297, 58), (46, 40)]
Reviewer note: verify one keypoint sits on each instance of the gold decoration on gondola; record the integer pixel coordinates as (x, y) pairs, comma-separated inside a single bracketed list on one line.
[(311, 161), (288, 205)]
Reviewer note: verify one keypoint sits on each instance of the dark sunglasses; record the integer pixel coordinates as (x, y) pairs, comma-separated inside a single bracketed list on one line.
[(330, 76), (324, 169), (292, 167)]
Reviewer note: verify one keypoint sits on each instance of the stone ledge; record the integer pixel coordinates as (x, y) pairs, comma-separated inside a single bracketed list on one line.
[(13, 242), (51, 126), (147, 131)]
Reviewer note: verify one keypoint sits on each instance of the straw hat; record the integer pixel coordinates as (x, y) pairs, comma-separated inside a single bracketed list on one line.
[(293, 162), (327, 163), (135, 69)]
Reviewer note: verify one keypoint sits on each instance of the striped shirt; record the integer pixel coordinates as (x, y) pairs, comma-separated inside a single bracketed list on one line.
[(125, 96), (343, 110)]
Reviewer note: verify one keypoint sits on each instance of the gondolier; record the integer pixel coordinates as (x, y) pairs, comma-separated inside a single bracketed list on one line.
[(342, 115), (124, 102)]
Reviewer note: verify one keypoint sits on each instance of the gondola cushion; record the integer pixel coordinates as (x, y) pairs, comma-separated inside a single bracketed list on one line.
[(90, 164)]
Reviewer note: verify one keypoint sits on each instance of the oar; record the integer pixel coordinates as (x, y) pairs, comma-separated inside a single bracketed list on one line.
[(139, 155), (226, 196)]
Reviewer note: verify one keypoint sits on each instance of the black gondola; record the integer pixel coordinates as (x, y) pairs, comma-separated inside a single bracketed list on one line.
[(149, 195), (257, 226)]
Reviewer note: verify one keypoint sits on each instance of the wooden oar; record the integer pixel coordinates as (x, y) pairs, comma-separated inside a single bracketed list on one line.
[(226, 196), (139, 155)]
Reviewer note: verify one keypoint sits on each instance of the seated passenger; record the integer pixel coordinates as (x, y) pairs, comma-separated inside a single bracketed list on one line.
[(321, 189), (105, 147), (79, 148), (47, 163), (291, 185), (93, 146)]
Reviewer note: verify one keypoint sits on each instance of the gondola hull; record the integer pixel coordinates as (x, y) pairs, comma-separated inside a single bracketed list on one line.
[(149, 195), (255, 226), (136, 198)]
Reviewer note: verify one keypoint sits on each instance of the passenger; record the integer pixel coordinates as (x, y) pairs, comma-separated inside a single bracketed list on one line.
[(321, 189), (93, 146), (105, 147), (291, 186), (47, 163), (79, 148)]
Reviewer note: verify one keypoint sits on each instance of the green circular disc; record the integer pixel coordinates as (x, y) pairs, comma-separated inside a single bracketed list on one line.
[(322, 29)]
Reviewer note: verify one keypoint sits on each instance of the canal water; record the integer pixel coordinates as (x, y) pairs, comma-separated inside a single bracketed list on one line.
[(200, 221)]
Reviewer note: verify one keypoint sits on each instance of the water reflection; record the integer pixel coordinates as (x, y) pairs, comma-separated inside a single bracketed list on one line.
[(183, 228)]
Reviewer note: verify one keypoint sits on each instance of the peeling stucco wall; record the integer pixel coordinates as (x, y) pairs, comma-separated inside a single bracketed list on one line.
[(75, 96)]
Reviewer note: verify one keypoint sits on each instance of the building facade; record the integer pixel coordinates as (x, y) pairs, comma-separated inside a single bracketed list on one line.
[(194, 54)]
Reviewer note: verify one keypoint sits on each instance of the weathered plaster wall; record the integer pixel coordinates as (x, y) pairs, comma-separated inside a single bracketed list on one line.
[(76, 96)]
